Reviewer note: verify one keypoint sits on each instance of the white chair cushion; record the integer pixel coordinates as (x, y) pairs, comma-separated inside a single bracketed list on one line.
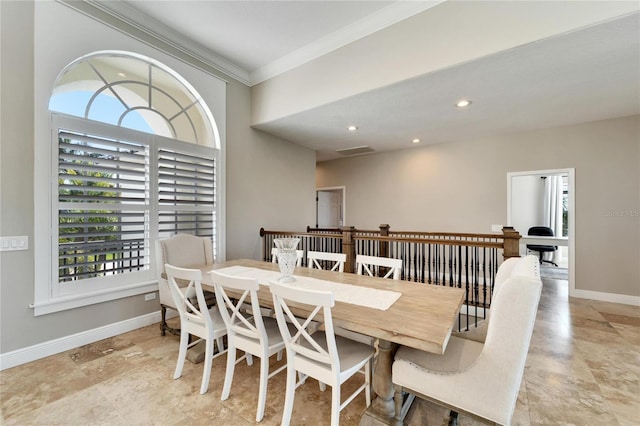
[(460, 354), (477, 334), (350, 352)]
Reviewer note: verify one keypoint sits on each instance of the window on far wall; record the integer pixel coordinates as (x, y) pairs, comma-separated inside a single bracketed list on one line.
[(136, 161)]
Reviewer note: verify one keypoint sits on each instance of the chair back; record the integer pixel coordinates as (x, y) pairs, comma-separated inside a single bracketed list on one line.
[(513, 314), (299, 256), (318, 258), (540, 231), (184, 284), (527, 266), (232, 295), (304, 346), (371, 264), (183, 251)]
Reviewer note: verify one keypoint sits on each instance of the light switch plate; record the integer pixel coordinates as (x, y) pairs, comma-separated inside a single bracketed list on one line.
[(14, 243), (496, 228)]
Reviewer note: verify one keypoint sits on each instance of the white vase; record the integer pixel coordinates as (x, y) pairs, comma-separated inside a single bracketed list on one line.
[(287, 257)]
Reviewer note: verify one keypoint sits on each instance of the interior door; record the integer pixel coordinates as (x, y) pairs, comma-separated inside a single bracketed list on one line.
[(329, 213)]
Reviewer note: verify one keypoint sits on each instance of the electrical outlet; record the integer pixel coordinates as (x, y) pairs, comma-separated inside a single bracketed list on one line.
[(149, 296)]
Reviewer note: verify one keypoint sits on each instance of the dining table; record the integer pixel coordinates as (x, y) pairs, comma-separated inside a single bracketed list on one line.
[(395, 312)]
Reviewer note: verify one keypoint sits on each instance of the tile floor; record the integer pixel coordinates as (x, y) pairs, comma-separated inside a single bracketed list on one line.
[(583, 368)]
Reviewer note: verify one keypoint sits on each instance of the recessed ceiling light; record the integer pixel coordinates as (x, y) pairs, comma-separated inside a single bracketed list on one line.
[(352, 128), (463, 103), (416, 140)]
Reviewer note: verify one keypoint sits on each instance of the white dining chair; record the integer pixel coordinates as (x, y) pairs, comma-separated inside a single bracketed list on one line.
[(299, 256), (371, 264), (322, 355), (247, 331), (195, 319), (315, 259)]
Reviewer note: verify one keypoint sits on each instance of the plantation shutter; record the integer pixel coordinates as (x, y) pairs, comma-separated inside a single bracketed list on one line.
[(186, 191), (103, 206)]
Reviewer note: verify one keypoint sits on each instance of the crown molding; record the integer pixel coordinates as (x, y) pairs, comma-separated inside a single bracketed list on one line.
[(370, 24), (156, 34)]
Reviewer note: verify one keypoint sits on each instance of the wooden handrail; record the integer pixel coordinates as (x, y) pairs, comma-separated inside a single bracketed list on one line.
[(493, 244), (508, 241), (264, 232), (462, 259)]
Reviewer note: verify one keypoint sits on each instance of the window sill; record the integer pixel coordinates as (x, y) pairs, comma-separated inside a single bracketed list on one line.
[(86, 299)]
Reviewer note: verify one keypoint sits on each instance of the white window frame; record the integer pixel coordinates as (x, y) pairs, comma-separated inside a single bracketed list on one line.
[(57, 297)]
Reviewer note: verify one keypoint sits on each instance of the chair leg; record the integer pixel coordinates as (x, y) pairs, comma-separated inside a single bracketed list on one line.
[(208, 361), (289, 394), (231, 365), (335, 404), (163, 320), (182, 354), (262, 392)]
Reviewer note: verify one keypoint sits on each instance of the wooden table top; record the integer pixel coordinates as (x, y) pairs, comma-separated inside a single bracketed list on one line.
[(421, 318)]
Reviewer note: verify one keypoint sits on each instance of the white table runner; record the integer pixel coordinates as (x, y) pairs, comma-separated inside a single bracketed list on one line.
[(346, 293)]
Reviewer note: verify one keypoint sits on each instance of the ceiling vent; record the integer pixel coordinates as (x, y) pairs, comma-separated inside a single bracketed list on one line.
[(356, 150)]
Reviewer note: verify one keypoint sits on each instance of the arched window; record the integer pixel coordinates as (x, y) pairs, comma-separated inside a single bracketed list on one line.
[(137, 150), (136, 92)]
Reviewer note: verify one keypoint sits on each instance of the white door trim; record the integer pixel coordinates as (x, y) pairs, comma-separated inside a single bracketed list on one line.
[(571, 183)]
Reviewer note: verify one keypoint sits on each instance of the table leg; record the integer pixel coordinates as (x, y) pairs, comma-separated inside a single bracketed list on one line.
[(382, 409)]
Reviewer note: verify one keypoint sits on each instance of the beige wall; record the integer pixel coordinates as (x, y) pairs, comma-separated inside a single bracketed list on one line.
[(463, 187), (270, 182), (265, 181)]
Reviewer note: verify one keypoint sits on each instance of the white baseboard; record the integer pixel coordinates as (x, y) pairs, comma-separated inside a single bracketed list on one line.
[(52, 347), (605, 297)]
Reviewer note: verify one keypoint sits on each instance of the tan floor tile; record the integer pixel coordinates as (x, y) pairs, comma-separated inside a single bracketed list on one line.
[(583, 368), (31, 386), (625, 405)]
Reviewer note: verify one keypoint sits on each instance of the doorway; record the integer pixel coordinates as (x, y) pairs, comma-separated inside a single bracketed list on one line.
[(330, 207), (545, 198)]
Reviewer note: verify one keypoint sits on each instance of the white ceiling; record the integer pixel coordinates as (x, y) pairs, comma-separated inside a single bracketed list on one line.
[(253, 34), (588, 75), (584, 75)]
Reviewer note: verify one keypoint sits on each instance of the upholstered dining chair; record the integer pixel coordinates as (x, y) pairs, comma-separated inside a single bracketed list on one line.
[(478, 379), (321, 354), (195, 319), (299, 256), (316, 259), (247, 331), (184, 251), (371, 264)]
